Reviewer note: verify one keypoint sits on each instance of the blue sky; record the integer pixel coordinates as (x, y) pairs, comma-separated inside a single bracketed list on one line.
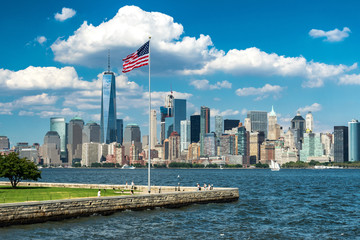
[(232, 56)]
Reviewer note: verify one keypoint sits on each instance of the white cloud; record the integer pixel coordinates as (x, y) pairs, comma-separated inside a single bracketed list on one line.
[(28, 102), (126, 32), (41, 39), (66, 13), (315, 107), (229, 112), (205, 85), (349, 79), (217, 99), (26, 113), (244, 111), (42, 78), (262, 92), (331, 36), (60, 112), (253, 61)]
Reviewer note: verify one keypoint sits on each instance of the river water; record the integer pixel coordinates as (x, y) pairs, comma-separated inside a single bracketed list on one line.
[(289, 204)]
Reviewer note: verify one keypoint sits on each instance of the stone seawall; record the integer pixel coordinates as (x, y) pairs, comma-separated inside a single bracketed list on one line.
[(35, 212)]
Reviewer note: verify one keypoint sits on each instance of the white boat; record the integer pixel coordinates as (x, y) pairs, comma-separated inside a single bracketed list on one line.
[(127, 167), (274, 166)]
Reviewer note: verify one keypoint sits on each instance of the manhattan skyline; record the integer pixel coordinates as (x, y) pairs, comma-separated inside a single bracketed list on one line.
[(233, 58)]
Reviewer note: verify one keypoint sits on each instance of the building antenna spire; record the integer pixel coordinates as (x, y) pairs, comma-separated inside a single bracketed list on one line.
[(108, 60)]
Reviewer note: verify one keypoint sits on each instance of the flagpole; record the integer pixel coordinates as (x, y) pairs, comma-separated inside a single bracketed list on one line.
[(149, 187)]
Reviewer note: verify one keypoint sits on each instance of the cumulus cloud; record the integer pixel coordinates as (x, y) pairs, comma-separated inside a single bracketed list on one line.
[(205, 85), (262, 92), (66, 13), (41, 39), (253, 61), (126, 32), (66, 112), (229, 112), (315, 107), (335, 35), (28, 102), (349, 79), (42, 78)]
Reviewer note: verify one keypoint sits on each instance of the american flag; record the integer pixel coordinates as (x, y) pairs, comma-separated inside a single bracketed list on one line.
[(137, 59)]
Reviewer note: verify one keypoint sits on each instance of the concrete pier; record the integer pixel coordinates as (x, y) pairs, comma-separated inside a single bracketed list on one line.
[(35, 212)]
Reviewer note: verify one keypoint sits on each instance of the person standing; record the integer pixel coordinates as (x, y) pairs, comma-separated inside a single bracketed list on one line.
[(99, 193)]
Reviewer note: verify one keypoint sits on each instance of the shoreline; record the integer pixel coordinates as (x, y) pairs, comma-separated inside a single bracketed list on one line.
[(42, 211)]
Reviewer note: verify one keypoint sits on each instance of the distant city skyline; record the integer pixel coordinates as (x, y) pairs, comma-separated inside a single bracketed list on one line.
[(233, 58)]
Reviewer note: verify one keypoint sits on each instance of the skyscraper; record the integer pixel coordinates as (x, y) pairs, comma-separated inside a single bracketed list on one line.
[(174, 146), (58, 125), (354, 141), (341, 144), (230, 124), (91, 133), (258, 121), (108, 108), (179, 113), (4, 142), (119, 131), (132, 135), (153, 136), (241, 143), (51, 149), (311, 147), (274, 128), (309, 122), (185, 134), (219, 125), (74, 145), (166, 111), (194, 128), (204, 126)]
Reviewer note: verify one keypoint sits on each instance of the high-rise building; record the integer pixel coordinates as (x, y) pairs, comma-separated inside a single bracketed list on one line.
[(311, 147), (153, 125), (354, 141), (227, 145), (204, 126), (256, 139), (298, 122), (247, 124), (258, 121), (341, 144), (59, 125), (91, 133), (108, 108), (166, 111), (51, 149), (90, 154), (194, 128), (219, 126), (274, 128), (210, 145), (174, 146), (4, 142), (230, 124), (185, 134), (74, 141), (179, 113), (241, 141), (132, 134), (309, 122), (169, 126), (166, 150), (119, 130)]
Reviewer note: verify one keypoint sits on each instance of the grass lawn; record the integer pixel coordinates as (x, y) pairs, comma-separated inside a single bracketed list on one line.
[(26, 194)]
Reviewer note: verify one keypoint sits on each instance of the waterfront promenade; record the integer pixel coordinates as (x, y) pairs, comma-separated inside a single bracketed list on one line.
[(160, 196)]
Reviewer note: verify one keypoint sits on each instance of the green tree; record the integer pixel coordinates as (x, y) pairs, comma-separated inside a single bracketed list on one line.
[(17, 169)]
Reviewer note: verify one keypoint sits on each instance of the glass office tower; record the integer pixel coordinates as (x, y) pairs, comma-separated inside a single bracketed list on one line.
[(58, 125), (341, 144), (179, 113), (194, 128), (258, 121), (354, 141), (204, 126), (108, 108)]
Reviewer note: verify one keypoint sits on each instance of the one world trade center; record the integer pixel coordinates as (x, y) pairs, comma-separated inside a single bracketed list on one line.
[(108, 107)]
